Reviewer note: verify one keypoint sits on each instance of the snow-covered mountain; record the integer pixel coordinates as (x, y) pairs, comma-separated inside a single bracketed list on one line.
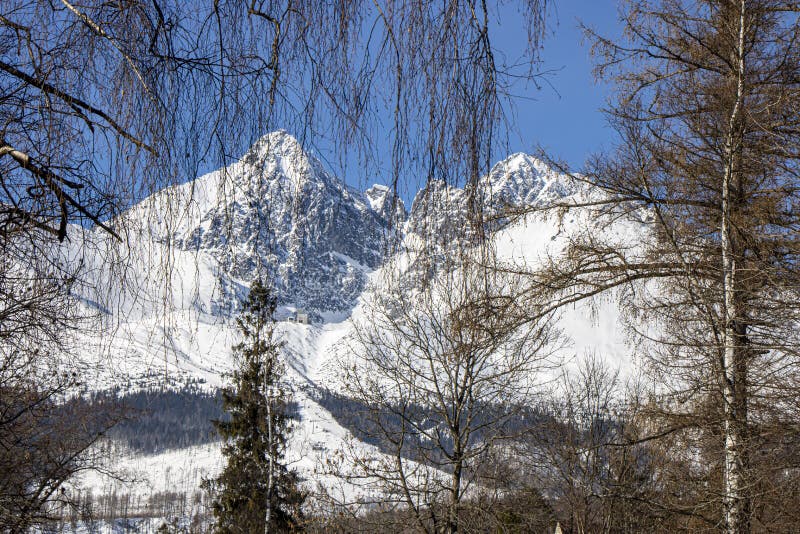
[(278, 212), (192, 250), (444, 216)]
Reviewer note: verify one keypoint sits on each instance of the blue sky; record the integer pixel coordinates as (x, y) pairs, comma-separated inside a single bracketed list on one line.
[(563, 116)]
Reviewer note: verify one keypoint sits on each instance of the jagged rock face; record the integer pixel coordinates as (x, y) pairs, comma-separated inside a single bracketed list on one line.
[(279, 212), (441, 213), (385, 203), (518, 180)]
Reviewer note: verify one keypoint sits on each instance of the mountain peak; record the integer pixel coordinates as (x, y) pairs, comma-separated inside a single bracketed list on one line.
[(523, 180), (278, 208), (521, 160), (517, 180), (278, 141), (383, 201), (279, 154)]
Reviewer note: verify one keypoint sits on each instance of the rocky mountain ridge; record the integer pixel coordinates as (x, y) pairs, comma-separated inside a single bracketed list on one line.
[(278, 213)]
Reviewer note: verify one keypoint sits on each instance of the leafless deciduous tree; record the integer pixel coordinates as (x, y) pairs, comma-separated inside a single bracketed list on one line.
[(44, 442), (103, 103), (441, 381), (44, 439), (580, 456), (706, 107)]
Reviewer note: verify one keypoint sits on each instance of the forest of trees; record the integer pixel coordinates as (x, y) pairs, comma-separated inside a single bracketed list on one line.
[(160, 420), (103, 103)]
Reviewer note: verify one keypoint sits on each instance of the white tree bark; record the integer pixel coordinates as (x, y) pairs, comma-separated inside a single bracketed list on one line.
[(271, 461), (734, 366)]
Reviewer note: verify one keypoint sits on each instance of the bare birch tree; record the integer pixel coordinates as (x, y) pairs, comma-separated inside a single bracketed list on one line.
[(577, 454), (104, 103)]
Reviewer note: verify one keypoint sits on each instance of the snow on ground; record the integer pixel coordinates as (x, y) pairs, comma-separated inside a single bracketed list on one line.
[(145, 476), (588, 327), (315, 439)]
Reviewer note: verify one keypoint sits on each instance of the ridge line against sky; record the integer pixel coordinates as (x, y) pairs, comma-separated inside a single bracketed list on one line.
[(560, 113), (562, 116)]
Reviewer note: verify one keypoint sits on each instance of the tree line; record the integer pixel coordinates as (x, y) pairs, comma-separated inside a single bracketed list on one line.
[(161, 420)]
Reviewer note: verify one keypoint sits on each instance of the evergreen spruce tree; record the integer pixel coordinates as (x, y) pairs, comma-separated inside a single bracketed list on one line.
[(256, 492)]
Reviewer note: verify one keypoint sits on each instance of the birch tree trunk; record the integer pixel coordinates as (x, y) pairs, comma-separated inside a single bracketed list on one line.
[(734, 368), (455, 491), (270, 462)]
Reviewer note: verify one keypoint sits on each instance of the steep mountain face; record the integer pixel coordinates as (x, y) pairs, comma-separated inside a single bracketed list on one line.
[(386, 203), (278, 212), (522, 180), (441, 213)]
